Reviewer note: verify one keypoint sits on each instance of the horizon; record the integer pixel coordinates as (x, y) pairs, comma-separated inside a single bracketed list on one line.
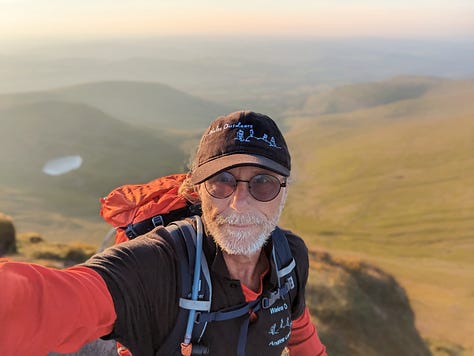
[(277, 63)]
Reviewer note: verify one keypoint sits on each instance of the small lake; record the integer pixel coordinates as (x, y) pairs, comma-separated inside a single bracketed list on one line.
[(62, 165)]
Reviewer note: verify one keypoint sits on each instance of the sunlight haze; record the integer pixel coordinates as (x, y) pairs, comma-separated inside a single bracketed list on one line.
[(55, 19)]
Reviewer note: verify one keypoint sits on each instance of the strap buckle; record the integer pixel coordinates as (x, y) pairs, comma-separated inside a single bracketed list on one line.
[(130, 232), (267, 302), (157, 221)]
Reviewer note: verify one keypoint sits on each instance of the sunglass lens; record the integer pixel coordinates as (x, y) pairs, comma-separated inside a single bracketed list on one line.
[(264, 187), (221, 185)]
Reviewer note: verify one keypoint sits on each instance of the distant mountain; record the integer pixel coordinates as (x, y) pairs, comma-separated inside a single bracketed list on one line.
[(246, 71), (153, 105), (12, 100), (359, 96), (113, 152)]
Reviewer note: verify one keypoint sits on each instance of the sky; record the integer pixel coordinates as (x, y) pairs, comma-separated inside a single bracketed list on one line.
[(89, 19)]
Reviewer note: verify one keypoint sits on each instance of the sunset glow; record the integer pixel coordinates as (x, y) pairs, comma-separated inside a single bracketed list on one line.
[(57, 19)]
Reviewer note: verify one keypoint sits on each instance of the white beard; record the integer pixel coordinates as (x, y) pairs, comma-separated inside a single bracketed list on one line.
[(241, 242)]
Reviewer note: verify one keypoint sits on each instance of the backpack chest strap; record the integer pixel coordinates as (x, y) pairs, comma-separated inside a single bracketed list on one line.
[(199, 305), (221, 315), (245, 309)]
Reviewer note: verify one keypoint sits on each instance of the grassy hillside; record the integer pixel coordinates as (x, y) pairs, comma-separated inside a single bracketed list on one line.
[(360, 309), (154, 105), (357, 96), (114, 153), (75, 217), (388, 169), (101, 123), (394, 184)]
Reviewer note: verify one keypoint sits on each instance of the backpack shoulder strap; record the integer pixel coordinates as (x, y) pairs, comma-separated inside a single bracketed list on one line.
[(282, 254), (191, 264), (200, 273), (285, 268)]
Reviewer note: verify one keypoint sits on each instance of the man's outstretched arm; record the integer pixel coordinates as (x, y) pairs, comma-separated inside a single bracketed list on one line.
[(43, 309)]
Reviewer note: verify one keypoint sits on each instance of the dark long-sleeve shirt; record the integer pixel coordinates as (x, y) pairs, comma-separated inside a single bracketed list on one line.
[(130, 293)]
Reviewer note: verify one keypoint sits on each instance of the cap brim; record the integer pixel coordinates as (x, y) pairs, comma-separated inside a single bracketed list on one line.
[(210, 168)]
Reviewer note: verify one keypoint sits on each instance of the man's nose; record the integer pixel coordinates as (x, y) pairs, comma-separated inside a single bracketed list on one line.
[(241, 195)]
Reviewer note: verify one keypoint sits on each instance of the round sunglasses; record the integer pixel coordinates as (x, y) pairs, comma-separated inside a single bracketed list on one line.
[(262, 187)]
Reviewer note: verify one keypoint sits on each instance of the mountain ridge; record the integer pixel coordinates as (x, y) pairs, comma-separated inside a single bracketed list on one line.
[(354, 97), (150, 104)]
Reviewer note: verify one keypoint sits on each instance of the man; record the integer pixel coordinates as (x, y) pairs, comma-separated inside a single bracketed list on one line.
[(130, 292)]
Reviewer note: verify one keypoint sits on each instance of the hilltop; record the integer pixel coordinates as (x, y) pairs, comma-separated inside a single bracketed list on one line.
[(156, 106), (353, 97)]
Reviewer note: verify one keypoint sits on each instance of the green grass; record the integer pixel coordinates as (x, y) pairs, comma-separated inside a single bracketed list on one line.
[(356, 96), (33, 248), (114, 153), (394, 185), (153, 105)]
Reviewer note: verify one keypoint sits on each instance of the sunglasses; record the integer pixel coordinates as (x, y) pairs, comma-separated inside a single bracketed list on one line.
[(262, 187)]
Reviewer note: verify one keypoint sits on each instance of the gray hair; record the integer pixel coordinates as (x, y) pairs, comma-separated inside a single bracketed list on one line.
[(187, 189)]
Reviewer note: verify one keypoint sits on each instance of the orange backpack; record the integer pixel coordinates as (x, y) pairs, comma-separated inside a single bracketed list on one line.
[(135, 209)]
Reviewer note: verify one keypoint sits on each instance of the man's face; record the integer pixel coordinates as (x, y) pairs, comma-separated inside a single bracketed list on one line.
[(240, 224)]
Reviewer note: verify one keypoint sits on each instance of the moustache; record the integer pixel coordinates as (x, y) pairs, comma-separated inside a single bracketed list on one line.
[(240, 219)]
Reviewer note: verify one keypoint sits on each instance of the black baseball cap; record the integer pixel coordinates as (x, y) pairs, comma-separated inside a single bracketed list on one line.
[(239, 139)]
